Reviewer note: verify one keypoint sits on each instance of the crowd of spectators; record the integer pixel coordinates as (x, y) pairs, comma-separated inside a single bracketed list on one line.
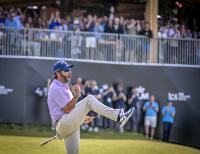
[(116, 96), (17, 18), (172, 29), (86, 22), (126, 48)]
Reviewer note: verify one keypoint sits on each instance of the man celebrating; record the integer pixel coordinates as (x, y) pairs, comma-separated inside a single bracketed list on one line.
[(67, 115)]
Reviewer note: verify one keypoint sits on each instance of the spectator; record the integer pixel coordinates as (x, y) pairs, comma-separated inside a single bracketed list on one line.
[(122, 22), (145, 43), (76, 25), (183, 31), (195, 35), (29, 21), (150, 120), (54, 21), (168, 113), (98, 27), (40, 23), (108, 94), (63, 26), (109, 27), (76, 40), (142, 25), (2, 19), (131, 27), (94, 90), (146, 31), (82, 85), (173, 31), (19, 19), (112, 11), (188, 33), (120, 99), (10, 21), (162, 33), (133, 101), (104, 21), (90, 24), (117, 28)]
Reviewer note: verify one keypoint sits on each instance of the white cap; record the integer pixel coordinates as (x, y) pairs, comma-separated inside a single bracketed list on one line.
[(76, 22)]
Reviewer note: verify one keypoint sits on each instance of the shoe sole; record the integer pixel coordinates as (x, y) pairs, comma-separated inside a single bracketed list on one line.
[(125, 121)]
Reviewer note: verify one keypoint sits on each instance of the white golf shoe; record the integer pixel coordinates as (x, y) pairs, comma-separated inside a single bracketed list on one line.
[(124, 117)]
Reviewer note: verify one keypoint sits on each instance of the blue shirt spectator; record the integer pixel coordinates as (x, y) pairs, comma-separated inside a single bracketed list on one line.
[(18, 21), (2, 19), (54, 24), (98, 29), (150, 108), (168, 112), (54, 21), (11, 22)]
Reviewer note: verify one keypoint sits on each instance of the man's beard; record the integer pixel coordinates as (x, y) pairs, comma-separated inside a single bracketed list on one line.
[(64, 79)]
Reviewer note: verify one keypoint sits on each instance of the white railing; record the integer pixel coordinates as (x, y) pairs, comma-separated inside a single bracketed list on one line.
[(178, 51), (76, 45), (98, 46)]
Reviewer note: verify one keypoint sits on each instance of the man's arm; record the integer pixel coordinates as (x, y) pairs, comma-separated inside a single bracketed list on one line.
[(163, 111), (71, 104), (172, 113), (155, 108), (130, 100), (145, 107)]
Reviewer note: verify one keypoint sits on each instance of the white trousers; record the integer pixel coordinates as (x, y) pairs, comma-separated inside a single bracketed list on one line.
[(69, 125)]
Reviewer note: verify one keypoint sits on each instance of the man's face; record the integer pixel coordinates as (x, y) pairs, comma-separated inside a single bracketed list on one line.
[(169, 103), (64, 76), (147, 26), (12, 15), (152, 99)]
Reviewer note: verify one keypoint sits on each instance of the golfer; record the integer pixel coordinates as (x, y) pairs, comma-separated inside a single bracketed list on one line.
[(67, 114)]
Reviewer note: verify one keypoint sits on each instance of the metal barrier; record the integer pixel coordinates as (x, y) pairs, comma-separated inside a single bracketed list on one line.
[(178, 51), (97, 46), (75, 45)]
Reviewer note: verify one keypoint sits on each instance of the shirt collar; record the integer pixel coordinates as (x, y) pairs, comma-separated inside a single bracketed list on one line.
[(60, 83)]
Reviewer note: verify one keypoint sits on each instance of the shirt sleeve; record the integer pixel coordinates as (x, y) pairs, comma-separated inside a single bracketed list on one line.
[(61, 97), (163, 110), (145, 105), (174, 110), (156, 106)]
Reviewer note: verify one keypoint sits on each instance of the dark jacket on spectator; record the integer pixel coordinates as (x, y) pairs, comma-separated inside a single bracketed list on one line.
[(108, 29), (148, 33), (119, 30)]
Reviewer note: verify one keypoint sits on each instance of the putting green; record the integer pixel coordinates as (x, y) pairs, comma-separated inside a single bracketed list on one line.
[(30, 145)]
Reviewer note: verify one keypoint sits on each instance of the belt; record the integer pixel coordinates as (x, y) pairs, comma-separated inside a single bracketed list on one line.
[(55, 124)]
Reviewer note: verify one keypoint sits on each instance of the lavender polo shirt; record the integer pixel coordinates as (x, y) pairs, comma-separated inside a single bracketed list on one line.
[(59, 95)]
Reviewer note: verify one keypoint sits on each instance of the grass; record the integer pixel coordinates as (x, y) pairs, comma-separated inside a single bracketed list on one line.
[(30, 145), (45, 131), (20, 130), (16, 139)]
